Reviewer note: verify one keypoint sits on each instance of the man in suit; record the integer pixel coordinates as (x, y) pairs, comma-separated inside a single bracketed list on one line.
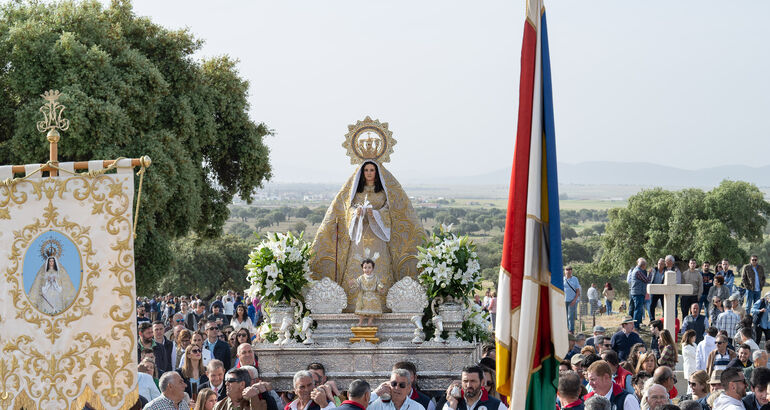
[(215, 371), (472, 395), (219, 349), (359, 394)]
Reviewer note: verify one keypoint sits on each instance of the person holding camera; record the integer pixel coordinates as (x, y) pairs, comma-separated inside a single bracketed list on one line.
[(468, 393)]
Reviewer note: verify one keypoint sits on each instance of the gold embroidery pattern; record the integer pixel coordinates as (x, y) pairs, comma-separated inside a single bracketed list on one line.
[(110, 375)]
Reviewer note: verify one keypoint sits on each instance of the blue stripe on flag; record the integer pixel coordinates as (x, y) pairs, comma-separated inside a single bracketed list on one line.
[(554, 225)]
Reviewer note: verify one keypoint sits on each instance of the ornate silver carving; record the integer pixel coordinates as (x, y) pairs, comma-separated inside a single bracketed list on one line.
[(419, 335), (307, 332), (326, 296), (407, 296)]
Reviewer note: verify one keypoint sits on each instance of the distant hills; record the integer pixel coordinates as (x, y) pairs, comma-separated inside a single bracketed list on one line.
[(628, 173)]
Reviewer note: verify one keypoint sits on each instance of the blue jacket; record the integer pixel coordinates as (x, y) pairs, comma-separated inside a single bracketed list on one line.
[(639, 280), (764, 320)]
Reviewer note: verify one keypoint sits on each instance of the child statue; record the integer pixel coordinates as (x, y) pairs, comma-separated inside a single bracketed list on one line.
[(367, 287)]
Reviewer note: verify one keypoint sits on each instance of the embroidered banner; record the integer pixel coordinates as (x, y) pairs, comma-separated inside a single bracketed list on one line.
[(67, 325)]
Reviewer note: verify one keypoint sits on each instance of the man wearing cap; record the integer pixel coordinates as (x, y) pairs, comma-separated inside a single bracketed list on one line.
[(753, 279), (622, 341), (760, 310), (598, 332), (577, 366)]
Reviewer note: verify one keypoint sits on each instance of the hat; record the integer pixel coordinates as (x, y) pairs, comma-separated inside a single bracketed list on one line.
[(627, 319), (716, 377), (576, 359), (571, 337), (599, 329)]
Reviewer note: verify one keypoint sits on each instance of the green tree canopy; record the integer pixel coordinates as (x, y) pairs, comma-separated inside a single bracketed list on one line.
[(133, 88), (689, 223)]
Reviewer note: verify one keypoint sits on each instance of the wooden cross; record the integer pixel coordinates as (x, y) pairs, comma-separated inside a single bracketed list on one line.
[(669, 289)]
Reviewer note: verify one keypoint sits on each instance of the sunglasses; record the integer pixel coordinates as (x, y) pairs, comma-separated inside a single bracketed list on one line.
[(242, 335), (232, 381), (195, 351), (721, 343), (179, 320), (692, 383), (401, 384), (213, 327)]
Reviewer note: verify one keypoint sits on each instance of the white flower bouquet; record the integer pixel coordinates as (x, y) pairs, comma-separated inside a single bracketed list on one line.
[(477, 327), (278, 268), (449, 266)]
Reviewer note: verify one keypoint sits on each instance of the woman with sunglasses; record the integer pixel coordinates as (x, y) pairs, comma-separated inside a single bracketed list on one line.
[(699, 386), (241, 320), (192, 371)]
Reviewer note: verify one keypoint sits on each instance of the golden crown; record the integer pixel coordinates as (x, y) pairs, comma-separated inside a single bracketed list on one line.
[(51, 247), (369, 140)]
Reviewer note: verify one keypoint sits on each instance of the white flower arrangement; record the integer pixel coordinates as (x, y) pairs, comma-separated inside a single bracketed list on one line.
[(278, 268), (477, 327), (449, 266)]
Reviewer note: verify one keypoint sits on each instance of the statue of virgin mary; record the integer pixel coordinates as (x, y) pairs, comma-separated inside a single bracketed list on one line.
[(52, 291), (370, 218)]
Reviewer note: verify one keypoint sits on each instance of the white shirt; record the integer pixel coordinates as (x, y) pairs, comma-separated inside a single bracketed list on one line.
[(752, 344), (470, 406), (704, 349), (408, 404), (725, 402), (228, 304), (146, 386), (293, 405), (593, 293), (629, 403), (205, 357), (690, 362)]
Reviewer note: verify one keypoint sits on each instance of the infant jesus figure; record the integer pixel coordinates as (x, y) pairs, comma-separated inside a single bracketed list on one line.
[(367, 286)]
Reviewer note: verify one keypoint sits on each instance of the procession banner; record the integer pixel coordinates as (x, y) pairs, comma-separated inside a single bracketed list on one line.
[(67, 325), (531, 327)]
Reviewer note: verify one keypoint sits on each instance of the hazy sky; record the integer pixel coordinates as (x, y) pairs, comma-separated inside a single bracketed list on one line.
[(686, 83)]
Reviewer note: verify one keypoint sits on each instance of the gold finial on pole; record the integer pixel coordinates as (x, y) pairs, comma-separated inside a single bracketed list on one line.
[(53, 121)]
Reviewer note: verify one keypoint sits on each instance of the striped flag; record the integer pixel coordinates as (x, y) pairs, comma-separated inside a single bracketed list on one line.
[(531, 326)]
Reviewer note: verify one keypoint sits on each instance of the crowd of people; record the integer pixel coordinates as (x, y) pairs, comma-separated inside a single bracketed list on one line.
[(194, 355), (719, 339)]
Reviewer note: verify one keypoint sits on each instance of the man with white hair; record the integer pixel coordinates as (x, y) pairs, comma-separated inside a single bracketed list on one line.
[(308, 396), (656, 396), (172, 394), (393, 394)]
